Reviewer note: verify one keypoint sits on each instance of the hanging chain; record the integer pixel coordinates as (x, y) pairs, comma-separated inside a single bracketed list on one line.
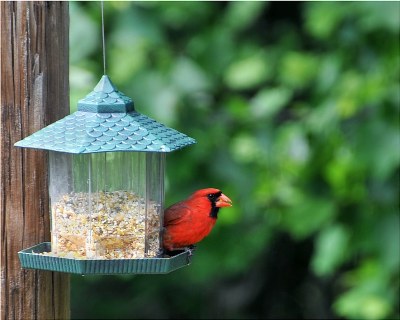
[(102, 33)]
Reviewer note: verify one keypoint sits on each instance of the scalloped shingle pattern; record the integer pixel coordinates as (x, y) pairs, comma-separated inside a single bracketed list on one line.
[(89, 132), (106, 98)]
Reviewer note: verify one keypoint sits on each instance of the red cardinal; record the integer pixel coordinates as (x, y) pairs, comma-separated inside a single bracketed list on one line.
[(189, 221)]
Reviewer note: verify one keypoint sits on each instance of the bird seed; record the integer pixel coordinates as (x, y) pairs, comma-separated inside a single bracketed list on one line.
[(105, 225)]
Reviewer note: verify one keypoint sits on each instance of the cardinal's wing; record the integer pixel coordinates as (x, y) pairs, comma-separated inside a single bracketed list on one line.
[(177, 214)]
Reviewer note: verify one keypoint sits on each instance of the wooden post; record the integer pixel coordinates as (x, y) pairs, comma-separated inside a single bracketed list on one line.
[(34, 92)]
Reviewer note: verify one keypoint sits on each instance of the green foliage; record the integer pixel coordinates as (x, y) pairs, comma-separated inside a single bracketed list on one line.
[(331, 249), (295, 107)]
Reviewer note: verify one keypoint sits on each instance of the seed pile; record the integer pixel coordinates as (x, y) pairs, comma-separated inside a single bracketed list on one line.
[(115, 229)]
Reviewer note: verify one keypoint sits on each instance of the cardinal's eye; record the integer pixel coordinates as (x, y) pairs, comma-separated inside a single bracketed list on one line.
[(213, 196)]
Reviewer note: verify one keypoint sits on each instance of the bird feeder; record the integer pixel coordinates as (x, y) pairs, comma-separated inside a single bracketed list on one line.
[(106, 188)]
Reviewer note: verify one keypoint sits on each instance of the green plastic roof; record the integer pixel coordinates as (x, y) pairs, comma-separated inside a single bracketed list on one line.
[(106, 121)]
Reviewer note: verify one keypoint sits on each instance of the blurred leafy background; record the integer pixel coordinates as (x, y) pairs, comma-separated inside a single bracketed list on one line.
[(295, 107)]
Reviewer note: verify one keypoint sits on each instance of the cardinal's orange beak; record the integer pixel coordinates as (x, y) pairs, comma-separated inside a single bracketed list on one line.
[(223, 201)]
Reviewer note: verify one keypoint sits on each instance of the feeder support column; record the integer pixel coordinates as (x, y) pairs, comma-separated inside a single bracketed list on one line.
[(34, 92)]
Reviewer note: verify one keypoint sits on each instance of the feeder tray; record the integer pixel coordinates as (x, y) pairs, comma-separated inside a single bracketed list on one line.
[(33, 258)]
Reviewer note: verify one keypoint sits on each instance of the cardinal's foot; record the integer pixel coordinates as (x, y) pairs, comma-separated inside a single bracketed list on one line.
[(160, 253), (191, 249)]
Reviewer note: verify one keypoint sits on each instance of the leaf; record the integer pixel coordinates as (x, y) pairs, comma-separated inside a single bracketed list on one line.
[(242, 14), (387, 237), (189, 77), (331, 249), (356, 304), (247, 73), (84, 35), (323, 18), (298, 69), (268, 102), (307, 215)]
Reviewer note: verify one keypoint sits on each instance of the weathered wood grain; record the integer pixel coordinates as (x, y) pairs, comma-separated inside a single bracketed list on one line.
[(34, 92)]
